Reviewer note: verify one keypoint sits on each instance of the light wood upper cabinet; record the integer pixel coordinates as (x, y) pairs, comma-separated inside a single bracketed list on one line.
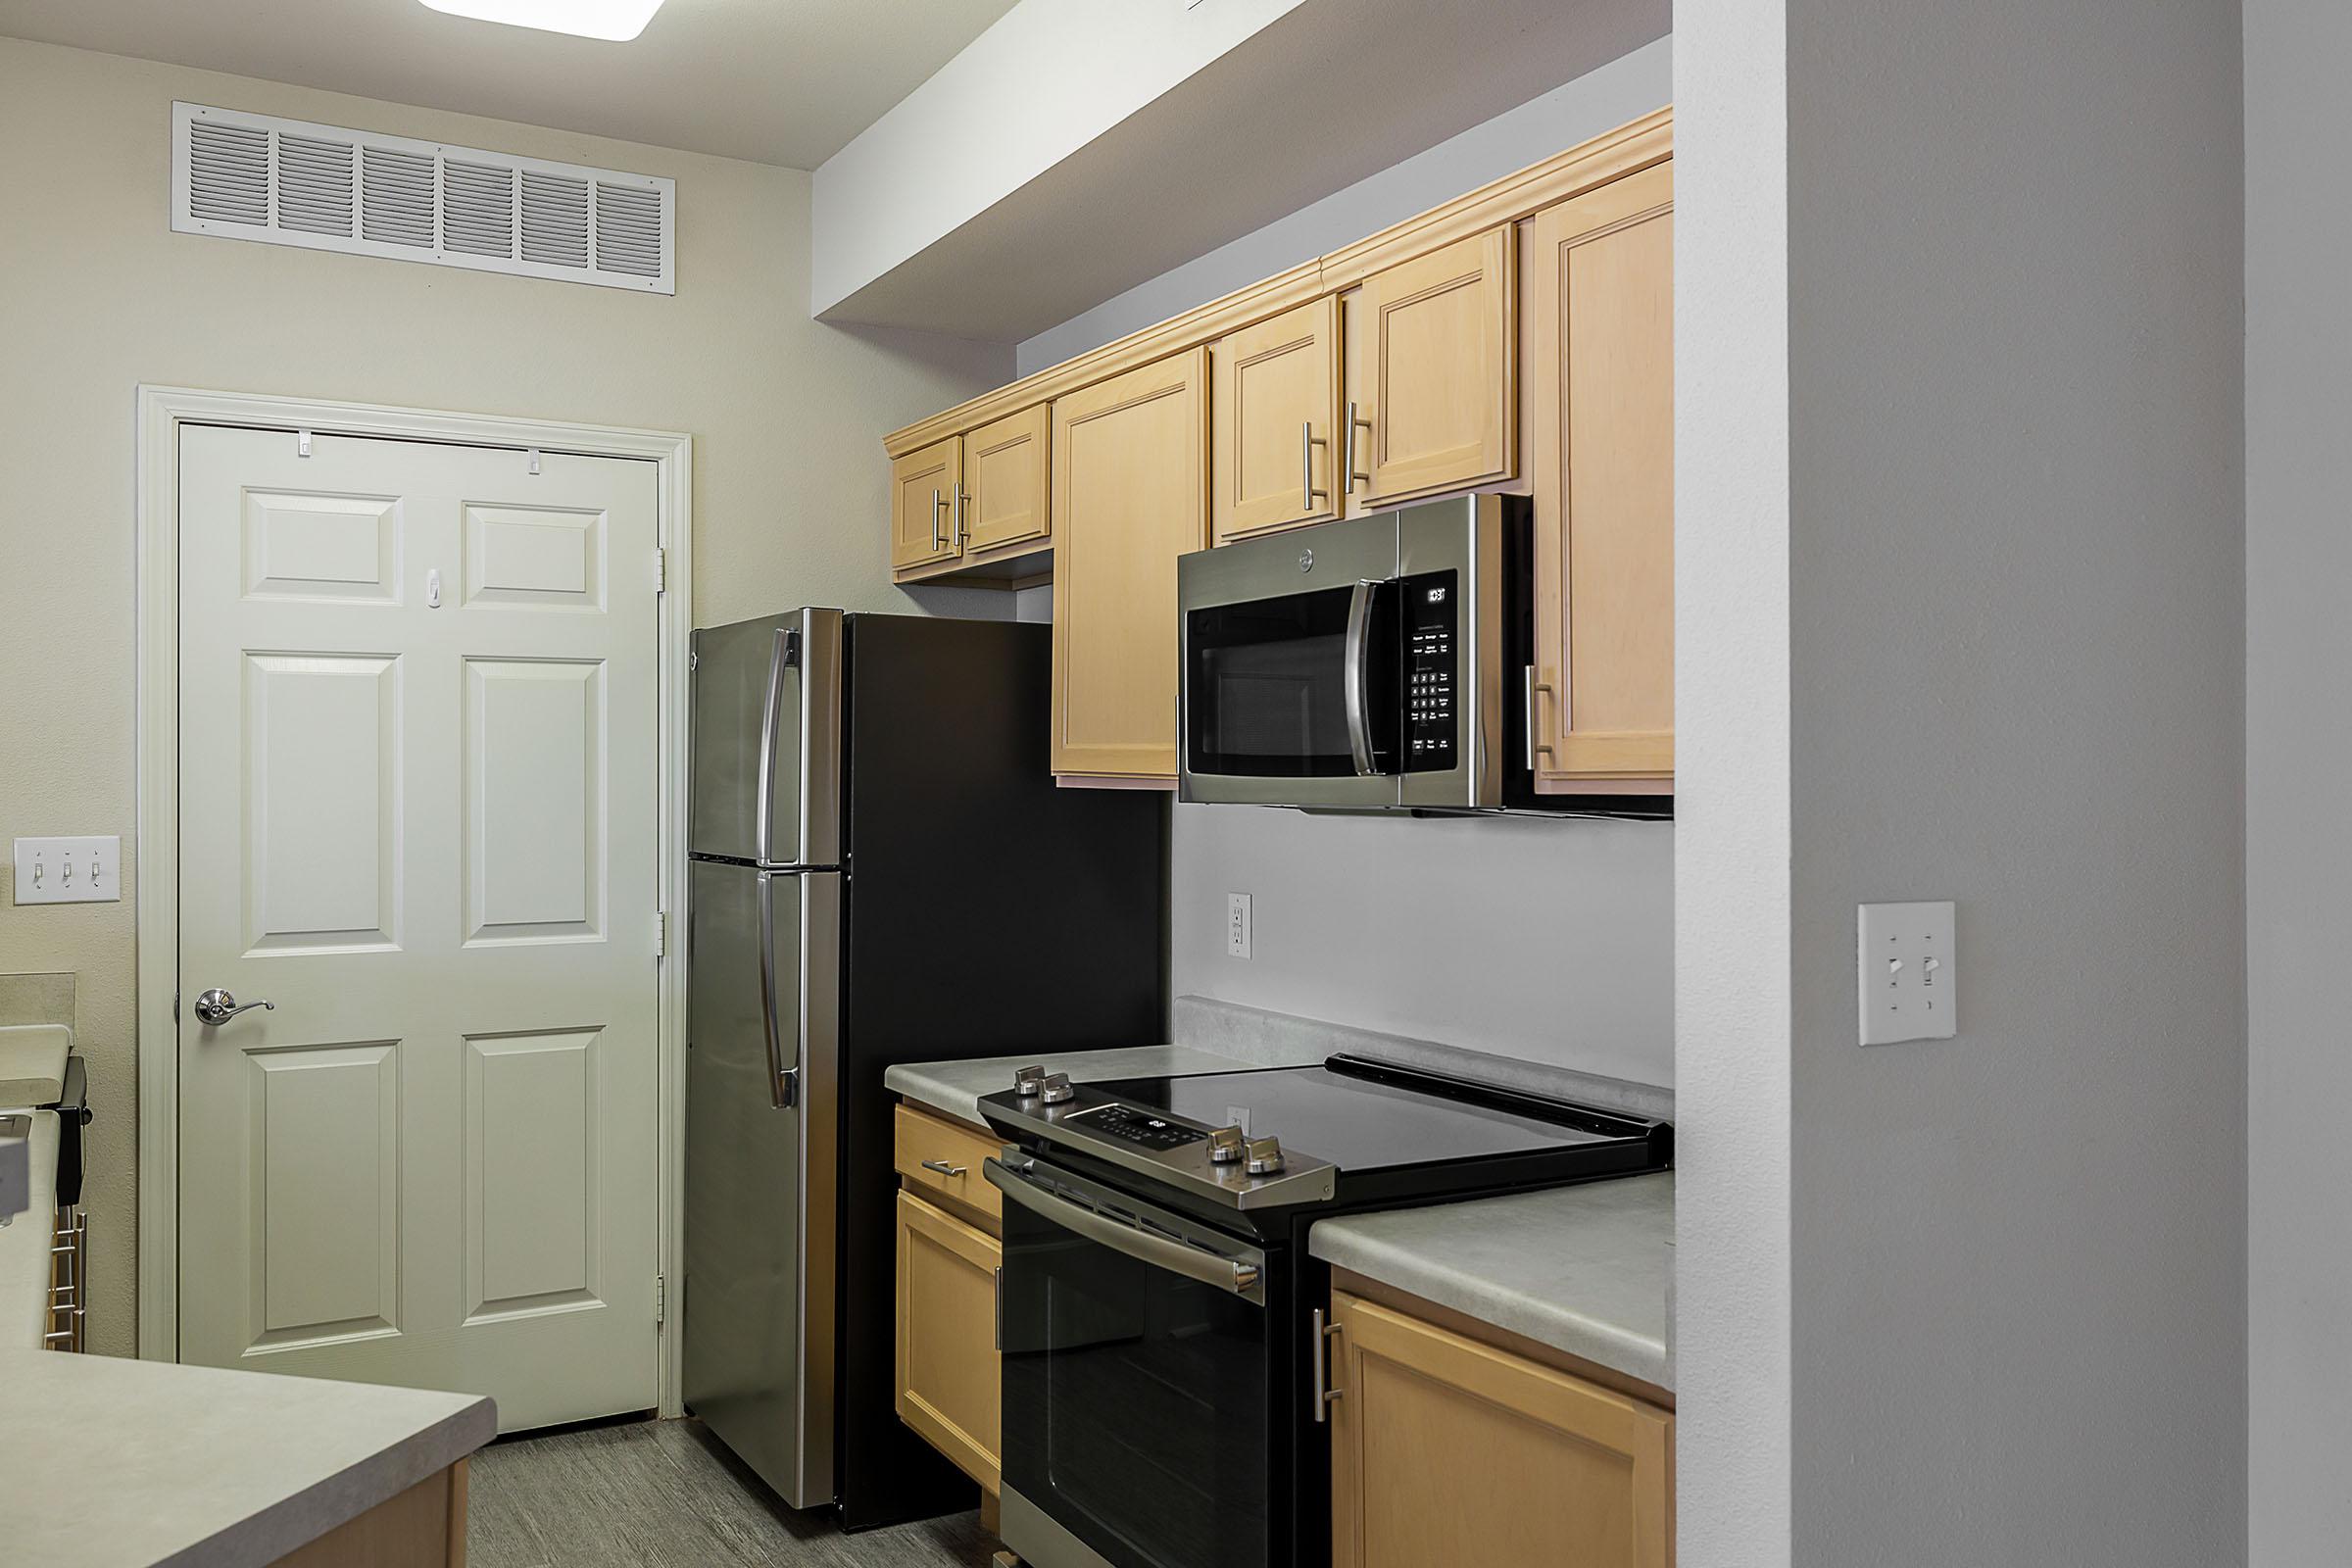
[(922, 504), (1274, 400), (1130, 496), (947, 1375), (1600, 437), (1432, 366), (1445, 1450), (1007, 479)]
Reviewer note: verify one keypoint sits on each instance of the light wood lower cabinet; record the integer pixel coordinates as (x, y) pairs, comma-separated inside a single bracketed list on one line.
[(947, 1357), (1448, 1450), (1600, 424), (1130, 495)]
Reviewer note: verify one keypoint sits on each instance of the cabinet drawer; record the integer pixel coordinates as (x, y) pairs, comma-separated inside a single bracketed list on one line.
[(948, 1377), (920, 1136)]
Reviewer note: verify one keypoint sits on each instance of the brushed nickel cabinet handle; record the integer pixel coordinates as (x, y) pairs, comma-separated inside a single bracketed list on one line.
[(1535, 718), (1324, 1391), (1307, 442), (1353, 473), (943, 1168)]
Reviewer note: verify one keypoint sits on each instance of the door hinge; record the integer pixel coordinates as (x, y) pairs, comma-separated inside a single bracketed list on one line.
[(302, 443), (662, 933), (534, 453), (661, 569), (661, 1300)]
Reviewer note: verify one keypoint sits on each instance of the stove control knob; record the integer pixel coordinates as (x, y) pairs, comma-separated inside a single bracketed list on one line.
[(1265, 1156), (1225, 1146), (1057, 1089), (1027, 1081)]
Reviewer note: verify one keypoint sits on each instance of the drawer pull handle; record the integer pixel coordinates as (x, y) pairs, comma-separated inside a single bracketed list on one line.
[(943, 1168)]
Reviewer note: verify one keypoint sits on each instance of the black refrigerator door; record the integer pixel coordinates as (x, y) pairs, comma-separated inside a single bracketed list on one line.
[(762, 1120), (767, 740), (989, 913)]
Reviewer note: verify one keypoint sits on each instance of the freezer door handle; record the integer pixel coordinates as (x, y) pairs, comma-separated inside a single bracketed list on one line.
[(782, 1081), (780, 657)]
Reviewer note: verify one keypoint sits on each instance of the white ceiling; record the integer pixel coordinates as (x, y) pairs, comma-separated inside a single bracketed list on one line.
[(780, 81)]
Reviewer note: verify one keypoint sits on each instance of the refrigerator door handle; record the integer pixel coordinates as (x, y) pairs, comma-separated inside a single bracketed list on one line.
[(782, 1081)]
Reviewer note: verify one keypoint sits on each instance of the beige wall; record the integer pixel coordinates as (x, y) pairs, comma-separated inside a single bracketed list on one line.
[(98, 295)]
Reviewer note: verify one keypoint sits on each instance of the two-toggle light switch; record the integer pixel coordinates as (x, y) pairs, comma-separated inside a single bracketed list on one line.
[(1906, 960)]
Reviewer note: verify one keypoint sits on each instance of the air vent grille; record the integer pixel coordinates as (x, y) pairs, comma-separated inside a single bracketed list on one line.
[(228, 172), (629, 231), (290, 182), (396, 197), (555, 219), (314, 185)]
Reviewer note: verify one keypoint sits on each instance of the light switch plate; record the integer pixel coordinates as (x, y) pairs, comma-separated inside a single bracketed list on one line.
[(1907, 972), (1236, 925), (83, 871)]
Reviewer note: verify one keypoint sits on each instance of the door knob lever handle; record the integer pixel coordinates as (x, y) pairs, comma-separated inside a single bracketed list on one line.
[(217, 1006)]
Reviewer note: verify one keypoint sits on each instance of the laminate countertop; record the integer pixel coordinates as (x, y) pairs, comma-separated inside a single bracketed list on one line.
[(107, 1463), (953, 1088), (1583, 1269)]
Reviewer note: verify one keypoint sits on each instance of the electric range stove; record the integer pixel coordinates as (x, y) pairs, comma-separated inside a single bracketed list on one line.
[(1159, 1317)]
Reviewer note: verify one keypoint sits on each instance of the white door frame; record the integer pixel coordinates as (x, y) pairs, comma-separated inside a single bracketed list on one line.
[(162, 410)]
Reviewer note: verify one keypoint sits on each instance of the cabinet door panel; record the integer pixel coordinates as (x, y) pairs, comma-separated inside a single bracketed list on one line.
[(922, 503), (1444, 1449), (1434, 381), (1275, 410), (1006, 482), (1600, 415), (948, 1386), (1129, 497)]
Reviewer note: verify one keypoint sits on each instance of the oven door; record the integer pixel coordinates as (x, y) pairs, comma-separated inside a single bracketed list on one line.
[(1288, 693), (1139, 1376)]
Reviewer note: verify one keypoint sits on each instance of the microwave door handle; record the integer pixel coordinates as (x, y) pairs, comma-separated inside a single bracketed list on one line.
[(1236, 1276), (1355, 678)]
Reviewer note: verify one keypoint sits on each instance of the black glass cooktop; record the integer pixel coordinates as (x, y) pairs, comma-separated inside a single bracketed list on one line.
[(1356, 1123)]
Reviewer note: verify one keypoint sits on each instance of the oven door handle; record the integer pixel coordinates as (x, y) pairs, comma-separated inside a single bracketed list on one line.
[(1356, 652), (1235, 1276)]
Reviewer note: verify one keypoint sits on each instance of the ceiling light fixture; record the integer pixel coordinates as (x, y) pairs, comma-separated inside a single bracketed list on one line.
[(617, 21)]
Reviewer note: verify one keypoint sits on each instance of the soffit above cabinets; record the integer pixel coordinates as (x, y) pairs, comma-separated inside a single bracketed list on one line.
[(1021, 232)]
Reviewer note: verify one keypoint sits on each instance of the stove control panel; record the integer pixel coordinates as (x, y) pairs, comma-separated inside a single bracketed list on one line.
[(1146, 1131)]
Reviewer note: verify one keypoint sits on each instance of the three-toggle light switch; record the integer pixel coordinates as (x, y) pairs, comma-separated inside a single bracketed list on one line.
[(68, 870)]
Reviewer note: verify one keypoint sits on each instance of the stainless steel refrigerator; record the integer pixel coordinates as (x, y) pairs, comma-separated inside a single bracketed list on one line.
[(884, 871)]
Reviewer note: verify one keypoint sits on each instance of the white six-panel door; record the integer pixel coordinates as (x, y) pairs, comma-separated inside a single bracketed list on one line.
[(419, 803)]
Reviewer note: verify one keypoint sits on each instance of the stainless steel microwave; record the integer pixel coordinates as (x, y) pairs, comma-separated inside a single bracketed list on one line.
[(1360, 665)]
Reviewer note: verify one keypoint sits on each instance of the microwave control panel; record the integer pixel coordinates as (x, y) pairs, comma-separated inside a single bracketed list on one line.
[(1432, 721)]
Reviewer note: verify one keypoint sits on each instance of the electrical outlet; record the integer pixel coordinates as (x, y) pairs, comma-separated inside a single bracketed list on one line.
[(1907, 961), (83, 870), (1236, 925)]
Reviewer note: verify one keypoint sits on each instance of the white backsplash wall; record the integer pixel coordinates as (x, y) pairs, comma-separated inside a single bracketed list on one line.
[(1549, 941)]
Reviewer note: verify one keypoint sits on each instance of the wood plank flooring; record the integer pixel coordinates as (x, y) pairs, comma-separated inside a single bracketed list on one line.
[(667, 1494)]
